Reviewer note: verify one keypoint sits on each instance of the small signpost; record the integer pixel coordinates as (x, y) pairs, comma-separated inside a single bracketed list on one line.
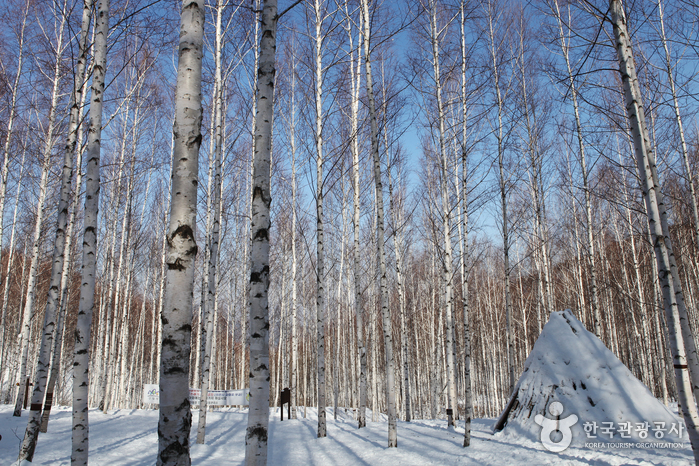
[(26, 393), (286, 398)]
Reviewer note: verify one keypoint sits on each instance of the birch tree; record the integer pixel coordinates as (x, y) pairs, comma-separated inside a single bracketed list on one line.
[(468, 403), (213, 246), (321, 297), (355, 86), (175, 416), (256, 436), (381, 253), (657, 219), (81, 364), (43, 366)]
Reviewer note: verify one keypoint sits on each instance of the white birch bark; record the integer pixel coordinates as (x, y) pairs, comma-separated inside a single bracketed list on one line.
[(80, 433), (355, 86), (446, 221), (256, 436), (687, 334), (175, 415), (213, 245), (468, 402), (657, 219), (65, 279), (294, 310), (43, 365), (320, 253), (398, 245), (385, 314)]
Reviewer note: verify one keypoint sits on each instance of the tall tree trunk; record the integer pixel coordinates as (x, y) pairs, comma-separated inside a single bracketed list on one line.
[(213, 246), (446, 223), (294, 265), (387, 327), (355, 86), (258, 417), (320, 253), (175, 415), (43, 366), (81, 364), (689, 339), (657, 218), (468, 400)]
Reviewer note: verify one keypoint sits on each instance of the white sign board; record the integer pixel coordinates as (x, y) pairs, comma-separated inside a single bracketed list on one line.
[(151, 394), (238, 397)]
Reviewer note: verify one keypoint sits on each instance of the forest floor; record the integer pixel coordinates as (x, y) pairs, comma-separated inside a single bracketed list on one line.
[(129, 438)]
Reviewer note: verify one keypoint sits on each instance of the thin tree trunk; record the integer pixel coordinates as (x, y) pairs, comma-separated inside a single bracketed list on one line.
[(387, 328), (43, 366), (657, 218), (81, 364), (468, 400), (320, 253), (355, 85), (213, 246)]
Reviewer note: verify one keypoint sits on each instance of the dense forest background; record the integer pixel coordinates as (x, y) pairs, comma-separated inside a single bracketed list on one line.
[(509, 181)]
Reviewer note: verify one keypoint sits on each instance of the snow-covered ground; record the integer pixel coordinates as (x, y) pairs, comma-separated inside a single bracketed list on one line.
[(129, 437)]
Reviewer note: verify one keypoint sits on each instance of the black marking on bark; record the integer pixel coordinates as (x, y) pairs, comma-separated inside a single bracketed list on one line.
[(173, 370), (195, 142), (262, 234), (590, 401), (255, 277), (185, 231), (582, 384), (259, 432), (177, 265)]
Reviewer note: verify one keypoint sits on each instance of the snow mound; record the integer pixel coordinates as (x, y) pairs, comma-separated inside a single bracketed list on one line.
[(570, 366)]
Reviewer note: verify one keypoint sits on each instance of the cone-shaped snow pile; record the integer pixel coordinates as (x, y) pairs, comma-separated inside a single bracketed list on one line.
[(571, 366)]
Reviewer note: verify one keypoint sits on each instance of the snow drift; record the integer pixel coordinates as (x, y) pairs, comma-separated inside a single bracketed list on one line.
[(571, 366)]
